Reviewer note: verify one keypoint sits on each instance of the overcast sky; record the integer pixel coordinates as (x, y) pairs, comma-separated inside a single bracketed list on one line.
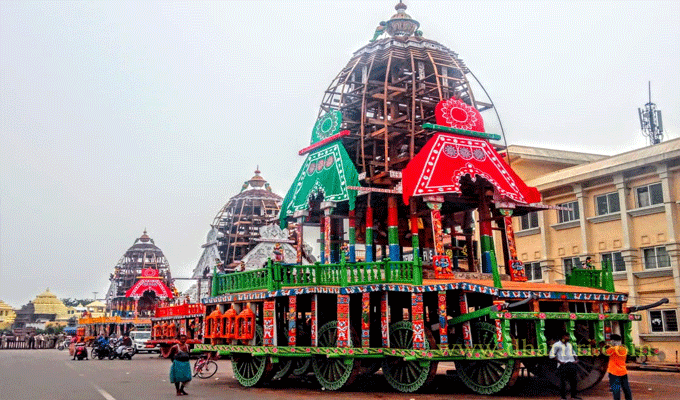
[(118, 116)]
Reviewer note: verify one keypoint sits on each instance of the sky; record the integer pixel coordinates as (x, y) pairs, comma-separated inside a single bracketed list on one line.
[(120, 116)]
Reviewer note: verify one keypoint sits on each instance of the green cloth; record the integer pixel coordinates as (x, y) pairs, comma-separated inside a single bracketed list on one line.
[(180, 371), (328, 170)]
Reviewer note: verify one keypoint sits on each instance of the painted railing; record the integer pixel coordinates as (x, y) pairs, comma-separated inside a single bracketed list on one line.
[(593, 278), (275, 276)]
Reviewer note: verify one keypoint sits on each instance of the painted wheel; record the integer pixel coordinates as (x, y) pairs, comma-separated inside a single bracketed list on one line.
[(591, 370), (487, 376), (408, 376), (252, 370), (334, 373), (293, 366)]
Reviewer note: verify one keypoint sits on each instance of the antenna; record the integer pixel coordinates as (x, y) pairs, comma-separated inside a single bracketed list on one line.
[(651, 123)]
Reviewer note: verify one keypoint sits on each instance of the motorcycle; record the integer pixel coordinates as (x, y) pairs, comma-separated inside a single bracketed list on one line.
[(121, 351), (80, 351), (101, 351), (64, 344)]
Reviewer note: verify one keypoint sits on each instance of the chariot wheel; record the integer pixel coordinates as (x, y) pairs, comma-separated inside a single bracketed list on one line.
[(293, 366), (408, 376), (334, 373), (487, 376), (252, 370), (590, 372)]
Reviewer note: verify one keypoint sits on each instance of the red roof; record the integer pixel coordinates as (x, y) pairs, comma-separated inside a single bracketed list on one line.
[(446, 158)]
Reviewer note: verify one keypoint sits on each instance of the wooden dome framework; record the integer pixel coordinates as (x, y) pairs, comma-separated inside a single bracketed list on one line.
[(143, 254), (240, 220), (386, 92)]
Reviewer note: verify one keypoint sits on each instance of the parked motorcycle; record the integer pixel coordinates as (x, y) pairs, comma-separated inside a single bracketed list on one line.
[(64, 344), (120, 350), (101, 351)]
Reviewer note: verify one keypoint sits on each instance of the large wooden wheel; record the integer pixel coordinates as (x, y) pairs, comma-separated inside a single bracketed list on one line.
[(591, 370), (293, 366), (334, 373), (487, 376), (252, 370), (408, 376)]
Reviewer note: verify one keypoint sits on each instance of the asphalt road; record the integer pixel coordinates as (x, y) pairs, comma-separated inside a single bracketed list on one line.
[(52, 375)]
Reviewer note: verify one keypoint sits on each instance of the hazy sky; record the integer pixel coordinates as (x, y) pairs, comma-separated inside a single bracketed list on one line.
[(118, 116)]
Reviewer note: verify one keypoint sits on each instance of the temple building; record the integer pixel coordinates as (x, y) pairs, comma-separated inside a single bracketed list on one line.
[(7, 315), (45, 309), (140, 280)]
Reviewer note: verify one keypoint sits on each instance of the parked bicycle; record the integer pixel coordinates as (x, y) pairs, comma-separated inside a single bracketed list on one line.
[(205, 366)]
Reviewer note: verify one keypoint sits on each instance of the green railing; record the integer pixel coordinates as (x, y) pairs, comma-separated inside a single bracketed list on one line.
[(593, 278), (275, 276)]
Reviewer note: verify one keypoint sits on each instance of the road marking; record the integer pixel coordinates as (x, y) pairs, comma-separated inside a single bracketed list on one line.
[(104, 393)]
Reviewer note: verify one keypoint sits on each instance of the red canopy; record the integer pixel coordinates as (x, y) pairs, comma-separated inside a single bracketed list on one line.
[(149, 281), (446, 158)]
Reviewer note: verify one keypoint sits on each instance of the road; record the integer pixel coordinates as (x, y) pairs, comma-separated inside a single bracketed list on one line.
[(52, 375)]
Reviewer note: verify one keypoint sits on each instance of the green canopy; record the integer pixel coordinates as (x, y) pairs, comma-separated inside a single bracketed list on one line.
[(329, 171)]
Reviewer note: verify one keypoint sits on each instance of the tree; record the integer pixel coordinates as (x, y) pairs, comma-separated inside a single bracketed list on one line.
[(72, 302)]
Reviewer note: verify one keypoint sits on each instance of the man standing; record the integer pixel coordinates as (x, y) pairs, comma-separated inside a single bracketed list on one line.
[(566, 358), (618, 374)]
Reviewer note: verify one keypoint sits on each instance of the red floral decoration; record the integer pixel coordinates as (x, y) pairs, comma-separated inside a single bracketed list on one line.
[(457, 114)]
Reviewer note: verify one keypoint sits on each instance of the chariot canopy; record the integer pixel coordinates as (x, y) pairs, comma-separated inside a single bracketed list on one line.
[(149, 281), (446, 158), (328, 171)]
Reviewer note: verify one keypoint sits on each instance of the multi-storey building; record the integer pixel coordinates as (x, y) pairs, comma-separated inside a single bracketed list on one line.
[(622, 209)]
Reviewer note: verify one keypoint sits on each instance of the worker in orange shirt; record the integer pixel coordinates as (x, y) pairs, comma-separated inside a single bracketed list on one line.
[(618, 374)]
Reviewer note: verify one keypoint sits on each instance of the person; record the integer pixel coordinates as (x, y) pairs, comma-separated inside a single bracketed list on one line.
[(589, 263), (618, 374), (180, 371), (563, 352)]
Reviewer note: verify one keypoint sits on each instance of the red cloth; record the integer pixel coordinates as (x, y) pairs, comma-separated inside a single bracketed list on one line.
[(446, 158)]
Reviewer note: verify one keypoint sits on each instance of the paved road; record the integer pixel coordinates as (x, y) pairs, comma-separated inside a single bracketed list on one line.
[(52, 375)]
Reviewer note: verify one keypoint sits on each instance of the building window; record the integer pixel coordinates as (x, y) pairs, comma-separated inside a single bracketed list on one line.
[(528, 221), (615, 260), (568, 215), (533, 271), (649, 195), (656, 257), (663, 321), (607, 204), (570, 264)]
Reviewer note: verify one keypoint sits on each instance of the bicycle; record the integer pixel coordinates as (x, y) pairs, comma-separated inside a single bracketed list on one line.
[(205, 366)]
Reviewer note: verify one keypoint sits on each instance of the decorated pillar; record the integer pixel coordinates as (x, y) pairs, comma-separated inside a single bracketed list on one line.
[(344, 339), (384, 320), (434, 203), (417, 321), (467, 333), (314, 321), (515, 266), (300, 216), (327, 207), (369, 233), (366, 319), (489, 263), (322, 239), (441, 313), (269, 322), (393, 228), (415, 241), (292, 320), (352, 236)]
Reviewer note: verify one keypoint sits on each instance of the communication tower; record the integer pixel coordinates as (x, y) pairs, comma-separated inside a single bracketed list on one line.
[(650, 121)]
